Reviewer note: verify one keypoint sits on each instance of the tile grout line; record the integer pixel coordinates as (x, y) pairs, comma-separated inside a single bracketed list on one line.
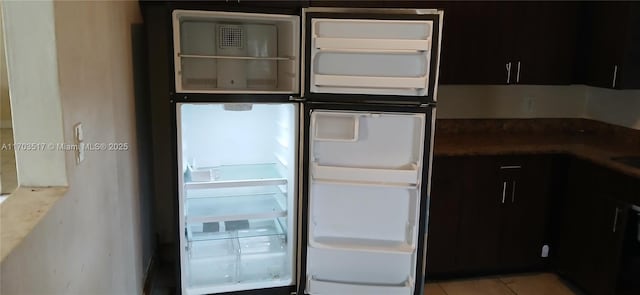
[(506, 285), (442, 289)]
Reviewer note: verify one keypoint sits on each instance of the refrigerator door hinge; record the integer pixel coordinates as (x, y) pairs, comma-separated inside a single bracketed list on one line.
[(296, 98)]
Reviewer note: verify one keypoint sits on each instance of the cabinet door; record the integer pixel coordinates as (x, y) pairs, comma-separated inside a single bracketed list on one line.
[(477, 43), (592, 230), (447, 187), (544, 42), (480, 221), (603, 40), (524, 211)]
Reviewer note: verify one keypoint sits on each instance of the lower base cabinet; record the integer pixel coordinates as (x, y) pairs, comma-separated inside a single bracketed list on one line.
[(593, 227), (488, 214)]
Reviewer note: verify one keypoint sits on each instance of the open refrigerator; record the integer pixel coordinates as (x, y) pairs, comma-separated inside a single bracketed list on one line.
[(303, 149)]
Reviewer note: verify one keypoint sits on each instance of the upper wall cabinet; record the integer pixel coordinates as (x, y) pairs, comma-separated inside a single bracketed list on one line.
[(609, 45), (234, 52), (508, 43)]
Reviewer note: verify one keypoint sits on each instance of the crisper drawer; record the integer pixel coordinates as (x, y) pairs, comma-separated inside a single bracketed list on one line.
[(370, 56), (357, 267), (321, 287)]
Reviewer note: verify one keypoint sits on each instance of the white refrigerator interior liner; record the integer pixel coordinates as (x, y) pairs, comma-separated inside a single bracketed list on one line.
[(365, 146), (389, 57), (367, 218)]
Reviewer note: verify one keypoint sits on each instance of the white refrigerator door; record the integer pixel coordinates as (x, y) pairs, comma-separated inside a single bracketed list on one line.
[(370, 56), (237, 195), (364, 200)]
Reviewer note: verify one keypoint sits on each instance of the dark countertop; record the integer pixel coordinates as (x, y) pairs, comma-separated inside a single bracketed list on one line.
[(598, 147)]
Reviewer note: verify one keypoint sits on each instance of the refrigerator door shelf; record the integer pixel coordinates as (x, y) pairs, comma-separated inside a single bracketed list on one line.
[(322, 287), (261, 206), (366, 245), (256, 228), (375, 268), (406, 175), (239, 176)]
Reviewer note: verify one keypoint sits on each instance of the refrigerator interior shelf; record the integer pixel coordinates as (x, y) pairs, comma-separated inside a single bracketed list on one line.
[(367, 245), (236, 57), (372, 44), (216, 209), (370, 81), (317, 286), (407, 174), (240, 176), (256, 228)]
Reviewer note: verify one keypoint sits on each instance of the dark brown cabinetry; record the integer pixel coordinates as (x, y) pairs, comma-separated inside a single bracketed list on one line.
[(594, 218), (508, 43), (609, 45), (487, 214)]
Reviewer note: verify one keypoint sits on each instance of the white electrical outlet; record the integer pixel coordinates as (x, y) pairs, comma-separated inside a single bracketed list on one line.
[(78, 135)]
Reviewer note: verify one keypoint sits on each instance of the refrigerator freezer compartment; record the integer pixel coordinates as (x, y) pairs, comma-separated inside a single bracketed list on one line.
[(360, 267), (261, 206), (240, 175), (385, 219), (233, 264), (234, 229), (243, 52), (407, 174), (386, 141), (320, 287)]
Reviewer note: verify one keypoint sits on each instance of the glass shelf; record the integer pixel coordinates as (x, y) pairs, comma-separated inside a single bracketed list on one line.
[(256, 228), (216, 209), (238, 176), (236, 57)]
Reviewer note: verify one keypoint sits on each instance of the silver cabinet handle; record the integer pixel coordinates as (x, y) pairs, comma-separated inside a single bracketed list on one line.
[(513, 192), (615, 76), (518, 73), (508, 68), (615, 220), (504, 191)]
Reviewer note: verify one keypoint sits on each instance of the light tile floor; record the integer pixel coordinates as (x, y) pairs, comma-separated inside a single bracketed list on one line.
[(528, 284)]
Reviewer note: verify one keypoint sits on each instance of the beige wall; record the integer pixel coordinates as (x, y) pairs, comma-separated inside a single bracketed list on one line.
[(5, 107), (514, 101), (620, 107), (90, 242)]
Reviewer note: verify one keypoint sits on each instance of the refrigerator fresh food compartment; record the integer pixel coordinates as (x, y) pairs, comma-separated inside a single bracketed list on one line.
[(239, 175), (367, 56), (385, 141), (229, 208), (336, 126), (385, 222), (223, 52), (321, 287), (216, 263), (374, 268)]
